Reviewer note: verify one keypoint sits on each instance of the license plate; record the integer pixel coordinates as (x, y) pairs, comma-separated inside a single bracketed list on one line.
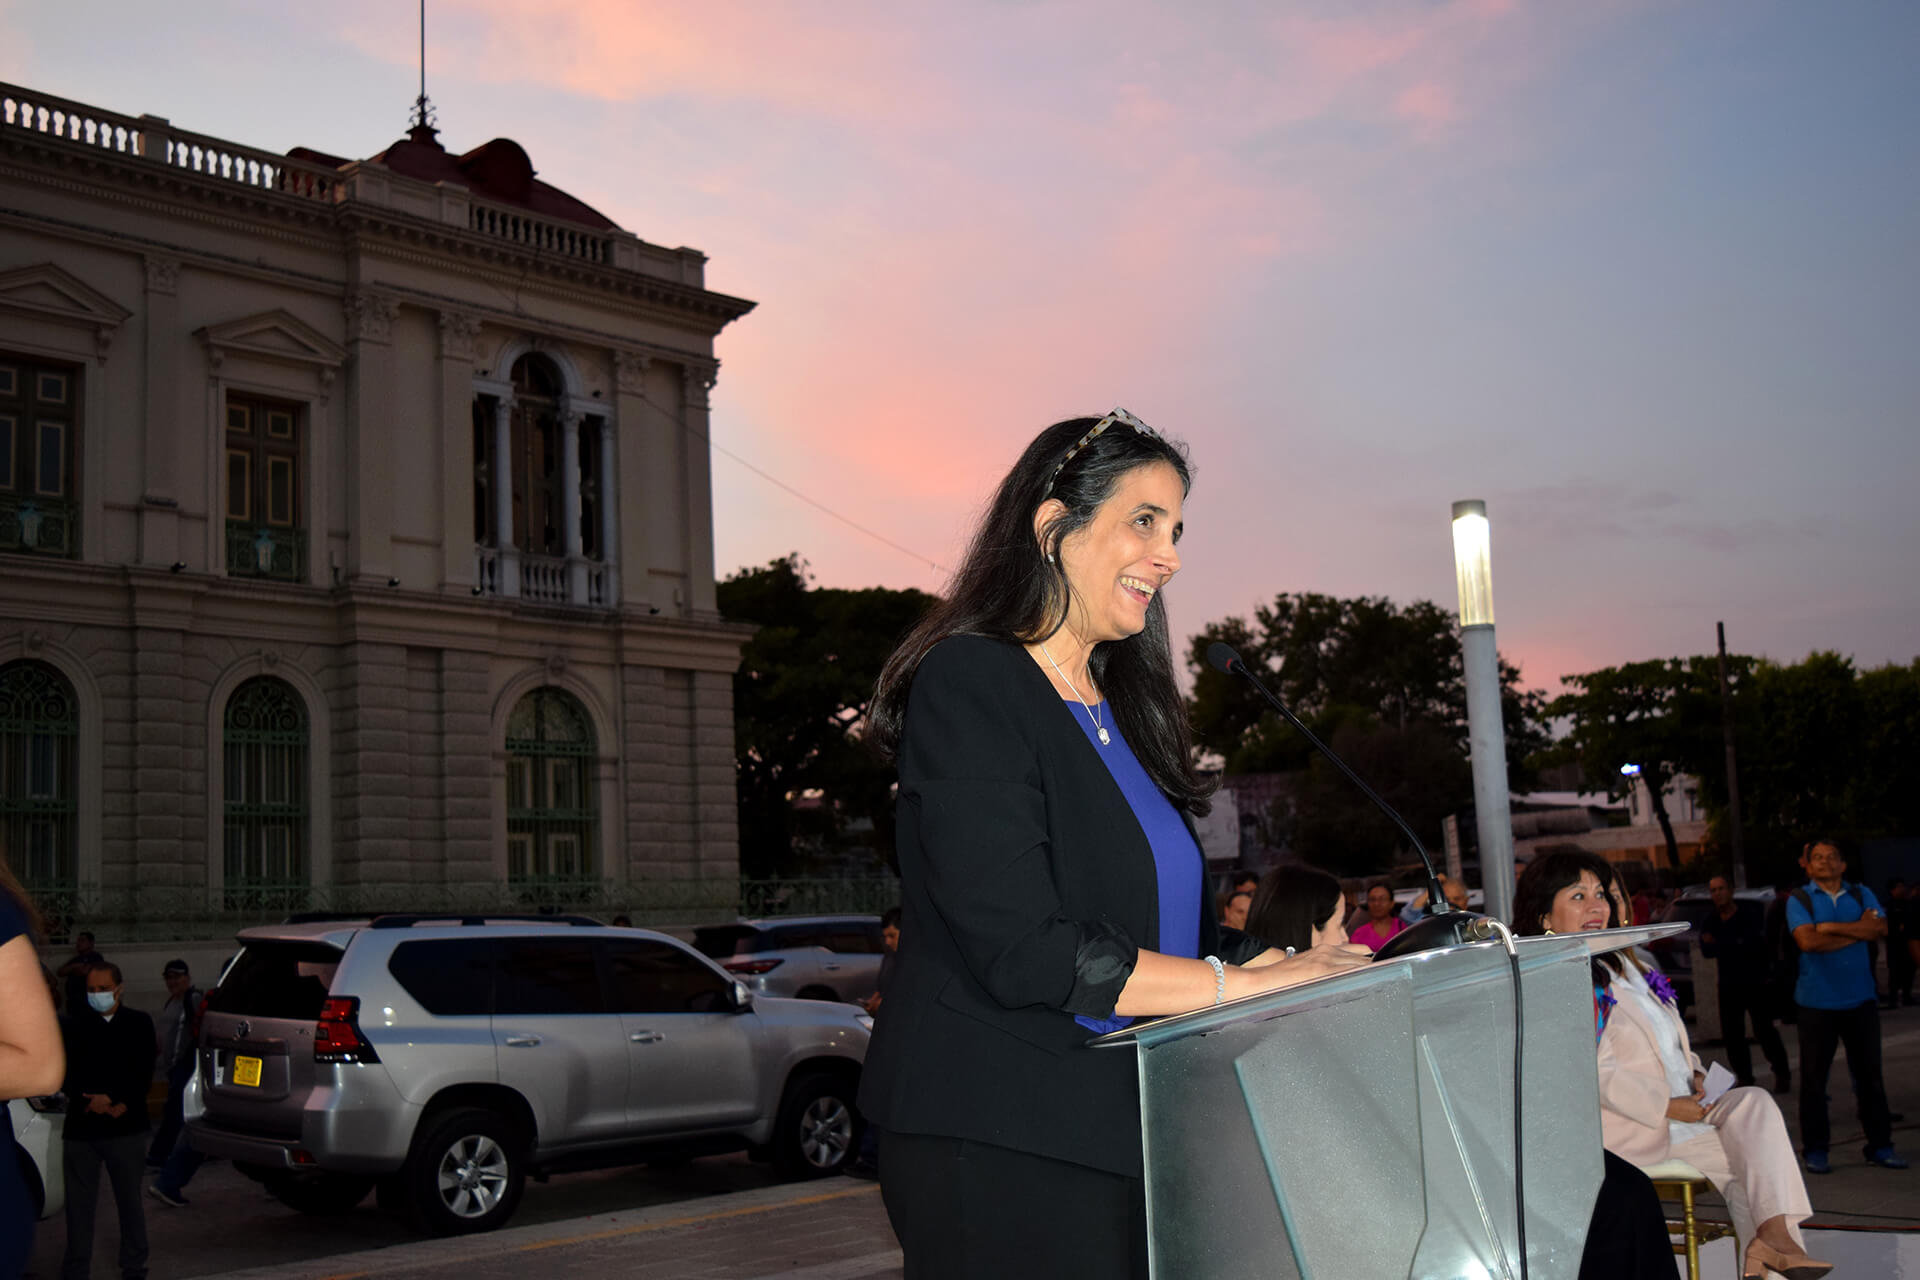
[(246, 1071)]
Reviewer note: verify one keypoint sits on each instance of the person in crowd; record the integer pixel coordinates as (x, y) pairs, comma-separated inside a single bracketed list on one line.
[(1783, 951), (1383, 920), (1832, 919), (1052, 885), (1903, 943), (178, 1030), (1243, 881), (623, 922), (74, 971), (1734, 935), (110, 1055), (32, 1058), (1301, 907), (866, 1164), (1651, 1104), (1416, 910), (1234, 913)]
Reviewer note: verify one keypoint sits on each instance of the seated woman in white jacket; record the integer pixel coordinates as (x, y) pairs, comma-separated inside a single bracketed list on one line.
[(1650, 1079)]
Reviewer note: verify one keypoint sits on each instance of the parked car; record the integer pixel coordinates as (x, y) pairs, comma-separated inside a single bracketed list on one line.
[(37, 1125), (445, 1060), (810, 957), (1674, 955)]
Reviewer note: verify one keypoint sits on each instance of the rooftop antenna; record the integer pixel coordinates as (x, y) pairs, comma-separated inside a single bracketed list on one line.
[(422, 109)]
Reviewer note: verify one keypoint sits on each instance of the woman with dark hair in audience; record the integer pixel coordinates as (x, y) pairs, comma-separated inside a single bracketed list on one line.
[(1299, 907), (1052, 885), (33, 1060), (1651, 1106)]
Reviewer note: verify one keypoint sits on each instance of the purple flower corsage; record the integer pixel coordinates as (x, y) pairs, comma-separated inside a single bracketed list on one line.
[(1658, 984)]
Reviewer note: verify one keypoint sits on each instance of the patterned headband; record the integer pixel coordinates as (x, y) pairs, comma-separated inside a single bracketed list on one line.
[(1118, 415)]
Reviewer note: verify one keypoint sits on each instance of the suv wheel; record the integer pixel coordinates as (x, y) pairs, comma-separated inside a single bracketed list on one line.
[(324, 1193), (815, 1133), (466, 1173)]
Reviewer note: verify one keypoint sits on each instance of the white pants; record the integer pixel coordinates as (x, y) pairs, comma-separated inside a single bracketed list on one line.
[(1750, 1159)]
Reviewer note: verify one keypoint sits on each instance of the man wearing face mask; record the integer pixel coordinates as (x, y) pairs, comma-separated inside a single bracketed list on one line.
[(110, 1055)]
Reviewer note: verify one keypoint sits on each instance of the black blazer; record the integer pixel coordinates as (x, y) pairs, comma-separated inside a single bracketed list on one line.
[(1028, 887)]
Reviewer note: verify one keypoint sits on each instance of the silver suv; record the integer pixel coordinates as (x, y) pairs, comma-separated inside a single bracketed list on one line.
[(443, 1060), (810, 957)]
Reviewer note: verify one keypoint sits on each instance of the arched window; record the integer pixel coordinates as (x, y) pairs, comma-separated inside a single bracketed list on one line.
[(39, 728), (550, 800), (266, 807)]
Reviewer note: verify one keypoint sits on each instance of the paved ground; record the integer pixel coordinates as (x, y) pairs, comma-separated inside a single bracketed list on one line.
[(725, 1219)]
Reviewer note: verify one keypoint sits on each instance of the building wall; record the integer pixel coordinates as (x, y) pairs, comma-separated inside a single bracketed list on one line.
[(381, 313)]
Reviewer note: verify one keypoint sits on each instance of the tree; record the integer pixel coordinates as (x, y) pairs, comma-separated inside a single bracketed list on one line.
[(800, 698), (1660, 716), (1335, 661), (1374, 679)]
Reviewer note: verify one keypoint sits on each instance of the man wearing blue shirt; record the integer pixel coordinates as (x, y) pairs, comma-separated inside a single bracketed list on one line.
[(1832, 922)]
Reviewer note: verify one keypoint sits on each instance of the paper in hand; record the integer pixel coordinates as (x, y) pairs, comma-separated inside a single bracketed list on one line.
[(1719, 1080)]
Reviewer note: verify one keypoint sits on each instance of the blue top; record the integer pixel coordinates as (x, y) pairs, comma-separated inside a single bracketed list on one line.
[(1176, 858), (1840, 979)]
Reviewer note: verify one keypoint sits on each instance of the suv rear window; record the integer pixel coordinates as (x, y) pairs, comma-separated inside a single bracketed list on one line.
[(450, 977), (279, 980)]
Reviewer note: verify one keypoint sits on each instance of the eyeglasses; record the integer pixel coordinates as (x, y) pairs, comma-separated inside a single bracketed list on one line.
[(1120, 416)]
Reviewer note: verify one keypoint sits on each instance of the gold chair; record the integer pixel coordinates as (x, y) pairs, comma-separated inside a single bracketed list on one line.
[(1676, 1179)]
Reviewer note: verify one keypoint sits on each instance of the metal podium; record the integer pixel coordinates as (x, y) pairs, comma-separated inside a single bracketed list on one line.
[(1361, 1126)]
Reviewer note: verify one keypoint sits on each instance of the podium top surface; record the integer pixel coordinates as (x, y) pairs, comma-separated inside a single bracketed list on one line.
[(1540, 949)]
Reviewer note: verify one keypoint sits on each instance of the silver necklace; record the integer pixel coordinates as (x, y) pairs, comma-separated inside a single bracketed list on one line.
[(1099, 729)]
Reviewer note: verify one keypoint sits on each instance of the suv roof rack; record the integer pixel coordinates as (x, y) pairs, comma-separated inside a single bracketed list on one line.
[(407, 919)]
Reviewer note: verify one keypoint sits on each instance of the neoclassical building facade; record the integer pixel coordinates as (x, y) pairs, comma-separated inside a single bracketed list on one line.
[(355, 529)]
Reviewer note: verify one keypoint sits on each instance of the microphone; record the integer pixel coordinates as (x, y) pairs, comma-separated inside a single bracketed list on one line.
[(1444, 926)]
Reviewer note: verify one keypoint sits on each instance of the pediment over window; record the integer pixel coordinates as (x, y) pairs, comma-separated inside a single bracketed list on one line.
[(274, 335), (49, 292)]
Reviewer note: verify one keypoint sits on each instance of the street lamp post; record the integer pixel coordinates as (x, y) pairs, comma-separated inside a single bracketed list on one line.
[(1486, 734)]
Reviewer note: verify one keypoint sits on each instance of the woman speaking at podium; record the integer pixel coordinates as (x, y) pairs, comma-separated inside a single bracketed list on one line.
[(1651, 1105), (1052, 885)]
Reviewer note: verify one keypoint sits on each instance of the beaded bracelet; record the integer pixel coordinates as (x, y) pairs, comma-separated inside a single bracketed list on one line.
[(1219, 979)]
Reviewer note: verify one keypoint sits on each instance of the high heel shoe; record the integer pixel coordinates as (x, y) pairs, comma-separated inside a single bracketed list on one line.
[(1763, 1257)]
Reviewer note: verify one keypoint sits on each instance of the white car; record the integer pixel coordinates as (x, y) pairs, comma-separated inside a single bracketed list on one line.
[(37, 1125)]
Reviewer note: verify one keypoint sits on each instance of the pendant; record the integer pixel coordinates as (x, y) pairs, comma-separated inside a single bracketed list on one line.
[(1104, 739)]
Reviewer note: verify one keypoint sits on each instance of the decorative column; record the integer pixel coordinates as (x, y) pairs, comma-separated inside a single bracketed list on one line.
[(570, 504), (459, 334), (163, 445), (697, 381), (509, 554), (609, 493), (370, 480)]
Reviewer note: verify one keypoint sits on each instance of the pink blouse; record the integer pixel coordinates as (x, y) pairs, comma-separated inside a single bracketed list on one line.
[(1372, 938)]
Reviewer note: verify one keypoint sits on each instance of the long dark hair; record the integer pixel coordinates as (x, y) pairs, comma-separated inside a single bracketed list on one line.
[(1546, 876), (1007, 589), (1290, 904)]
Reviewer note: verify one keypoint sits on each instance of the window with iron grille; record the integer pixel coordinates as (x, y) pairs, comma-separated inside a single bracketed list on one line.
[(266, 802), (39, 419), (551, 822), (39, 728), (266, 529)]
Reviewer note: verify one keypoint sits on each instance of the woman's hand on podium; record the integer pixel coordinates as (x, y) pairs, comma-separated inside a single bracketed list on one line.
[(1274, 968)]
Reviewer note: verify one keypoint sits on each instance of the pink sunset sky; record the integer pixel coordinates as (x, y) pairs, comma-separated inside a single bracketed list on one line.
[(1642, 276)]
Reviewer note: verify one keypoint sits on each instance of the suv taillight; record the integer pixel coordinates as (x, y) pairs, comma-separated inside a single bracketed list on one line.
[(337, 1038), (752, 968)]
